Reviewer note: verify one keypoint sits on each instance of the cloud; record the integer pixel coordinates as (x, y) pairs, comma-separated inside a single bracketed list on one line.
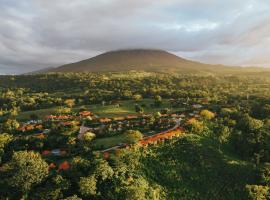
[(35, 34)]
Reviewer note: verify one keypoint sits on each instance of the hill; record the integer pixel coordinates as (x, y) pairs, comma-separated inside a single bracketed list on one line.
[(138, 59)]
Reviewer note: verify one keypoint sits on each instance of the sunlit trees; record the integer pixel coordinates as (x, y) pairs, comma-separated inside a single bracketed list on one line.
[(137, 97), (258, 192), (62, 110), (206, 114), (89, 136), (133, 136), (222, 134), (70, 103), (4, 140), (102, 169), (74, 197), (88, 186), (25, 169), (10, 125)]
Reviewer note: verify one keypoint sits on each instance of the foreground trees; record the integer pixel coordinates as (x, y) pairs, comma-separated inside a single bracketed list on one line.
[(25, 170)]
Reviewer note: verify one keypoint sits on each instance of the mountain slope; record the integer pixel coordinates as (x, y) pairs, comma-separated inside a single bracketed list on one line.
[(137, 59)]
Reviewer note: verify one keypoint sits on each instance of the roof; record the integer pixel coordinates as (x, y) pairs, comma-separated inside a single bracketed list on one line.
[(64, 165), (85, 113)]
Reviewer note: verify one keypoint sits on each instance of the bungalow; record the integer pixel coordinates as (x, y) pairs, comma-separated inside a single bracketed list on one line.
[(39, 136), (46, 153), (58, 117), (52, 166), (119, 118), (64, 166), (104, 120), (85, 113), (131, 117)]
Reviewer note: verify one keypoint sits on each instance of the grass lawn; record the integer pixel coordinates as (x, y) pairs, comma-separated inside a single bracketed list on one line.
[(126, 108), (41, 113), (104, 143)]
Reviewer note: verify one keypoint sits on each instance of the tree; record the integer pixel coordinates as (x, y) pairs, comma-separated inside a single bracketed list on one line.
[(102, 170), (4, 140), (52, 189), (63, 110), (26, 169), (10, 125), (74, 197), (195, 126), (249, 124), (139, 109), (157, 100), (133, 136), (206, 114), (140, 189), (89, 136), (70, 103), (137, 97), (265, 174), (258, 192), (88, 186), (222, 134)]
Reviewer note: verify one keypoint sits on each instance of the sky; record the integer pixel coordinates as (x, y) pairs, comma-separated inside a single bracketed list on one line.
[(36, 34)]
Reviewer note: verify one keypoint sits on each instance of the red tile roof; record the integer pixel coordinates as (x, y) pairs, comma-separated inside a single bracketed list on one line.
[(64, 166)]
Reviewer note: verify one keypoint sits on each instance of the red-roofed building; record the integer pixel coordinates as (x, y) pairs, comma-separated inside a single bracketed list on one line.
[(64, 166), (52, 166), (106, 155), (46, 152), (85, 113)]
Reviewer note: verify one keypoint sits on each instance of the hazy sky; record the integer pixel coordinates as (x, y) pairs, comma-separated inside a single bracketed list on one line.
[(42, 33)]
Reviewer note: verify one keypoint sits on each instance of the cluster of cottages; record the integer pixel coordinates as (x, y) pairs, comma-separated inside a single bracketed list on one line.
[(62, 166), (113, 124), (57, 152), (119, 124), (82, 114), (33, 128), (154, 139), (54, 152)]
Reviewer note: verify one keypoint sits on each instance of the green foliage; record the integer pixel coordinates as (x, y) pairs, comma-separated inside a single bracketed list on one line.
[(74, 197), (52, 189), (24, 170), (10, 125), (133, 136), (4, 140), (69, 102), (88, 186), (258, 192), (206, 114), (216, 163), (63, 110), (102, 170), (89, 136)]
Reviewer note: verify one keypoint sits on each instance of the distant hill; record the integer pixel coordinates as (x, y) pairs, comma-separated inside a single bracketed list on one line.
[(141, 59)]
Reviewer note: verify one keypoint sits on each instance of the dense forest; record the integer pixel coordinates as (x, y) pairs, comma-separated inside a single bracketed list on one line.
[(223, 151)]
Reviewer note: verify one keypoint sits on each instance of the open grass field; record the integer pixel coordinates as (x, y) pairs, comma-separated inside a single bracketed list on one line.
[(104, 143), (126, 108)]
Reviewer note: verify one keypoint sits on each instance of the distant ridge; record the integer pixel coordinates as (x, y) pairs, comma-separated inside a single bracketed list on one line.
[(152, 60)]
